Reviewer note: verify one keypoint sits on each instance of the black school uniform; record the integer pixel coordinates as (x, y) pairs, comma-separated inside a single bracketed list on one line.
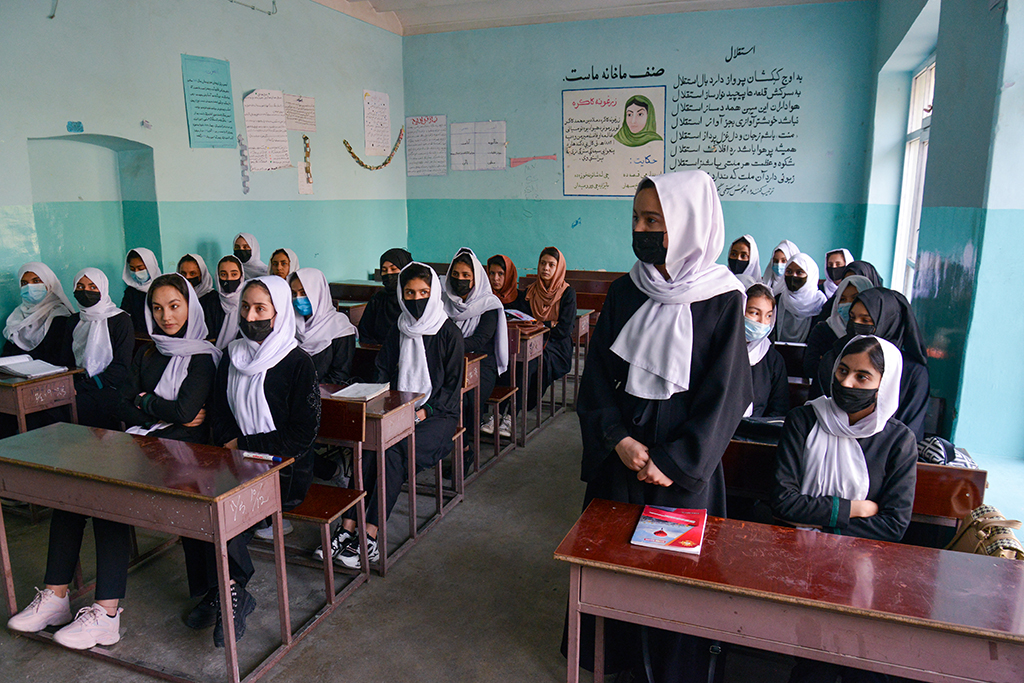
[(49, 347), (97, 397), (379, 318), (557, 346), (687, 435), (771, 385), (134, 304), (482, 341), (819, 341), (213, 313), (334, 363)]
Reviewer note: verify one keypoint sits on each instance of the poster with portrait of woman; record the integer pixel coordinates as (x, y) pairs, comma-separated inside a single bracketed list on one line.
[(611, 138)]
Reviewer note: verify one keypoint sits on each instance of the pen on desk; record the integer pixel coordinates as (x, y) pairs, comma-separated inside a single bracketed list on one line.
[(261, 456)]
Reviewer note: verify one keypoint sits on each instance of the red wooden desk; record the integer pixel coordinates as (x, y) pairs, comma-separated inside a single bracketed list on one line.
[(531, 345), (202, 492), (20, 396), (929, 615)]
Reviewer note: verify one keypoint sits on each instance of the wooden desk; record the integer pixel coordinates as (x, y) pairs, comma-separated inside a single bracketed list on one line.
[(470, 384), (929, 615), (390, 418), (21, 397), (353, 309), (202, 492), (580, 342), (354, 290), (531, 345)]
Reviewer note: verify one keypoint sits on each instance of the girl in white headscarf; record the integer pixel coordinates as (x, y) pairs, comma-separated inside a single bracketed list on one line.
[(230, 281), (140, 269), (422, 354), (799, 302), (193, 268), (767, 366), (836, 261), (833, 328), (283, 263), (323, 332), (666, 382), (247, 251), (844, 464), (36, 326), (775, 272), (100, 339), (744, 261)]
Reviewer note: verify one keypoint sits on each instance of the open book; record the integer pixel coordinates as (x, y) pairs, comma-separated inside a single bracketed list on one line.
[(519, 315), (26, 366), (361, 391), (675, 529)]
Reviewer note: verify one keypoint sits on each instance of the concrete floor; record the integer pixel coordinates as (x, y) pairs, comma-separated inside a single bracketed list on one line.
[(478, 599)]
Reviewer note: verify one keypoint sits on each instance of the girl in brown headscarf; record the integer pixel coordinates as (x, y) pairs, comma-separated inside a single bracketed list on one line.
[(504, 278)]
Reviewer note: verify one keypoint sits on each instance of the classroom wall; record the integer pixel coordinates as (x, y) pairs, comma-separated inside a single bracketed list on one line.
[(113, 63), (518, 74)]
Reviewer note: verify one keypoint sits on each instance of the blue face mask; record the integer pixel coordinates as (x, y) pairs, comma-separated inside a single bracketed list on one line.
[(844, 312), (303, 305), (779, 269), (32, 294), (754, 330), (141, 276)]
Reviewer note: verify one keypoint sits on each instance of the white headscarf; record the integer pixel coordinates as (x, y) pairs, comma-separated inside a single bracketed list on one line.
[(752, 273), (756, 350), (833, 462), (835, 321), (293, 261), (205, 279), (325, 324), (466, 314), (413, 373), (796, 310), (180, 349), (775, 282), (253, 267), (90, 340), (152, 267), (28, 323), (250, 361), (831, 287), (229, 304), (657, 341)]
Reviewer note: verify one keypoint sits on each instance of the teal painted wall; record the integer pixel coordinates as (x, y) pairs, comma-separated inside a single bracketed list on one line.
[(517, 75)]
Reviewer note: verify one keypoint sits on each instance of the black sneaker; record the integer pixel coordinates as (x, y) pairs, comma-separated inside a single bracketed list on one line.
[(242, 604), (204, 615)]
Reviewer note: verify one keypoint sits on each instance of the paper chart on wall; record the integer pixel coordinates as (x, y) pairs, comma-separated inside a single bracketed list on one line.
[(209, 107), (426, 145), (300, 113), (376, 123), (266, 129), (478, 146)]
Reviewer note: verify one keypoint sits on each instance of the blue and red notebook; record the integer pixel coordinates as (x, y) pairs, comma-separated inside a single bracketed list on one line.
[(676, 529)]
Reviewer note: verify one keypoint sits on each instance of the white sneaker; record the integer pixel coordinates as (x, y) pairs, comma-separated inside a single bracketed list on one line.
[(350, 553), (338, 541), (46, 609), (506, 426), (267, 532), (487, 427), (90, 628)]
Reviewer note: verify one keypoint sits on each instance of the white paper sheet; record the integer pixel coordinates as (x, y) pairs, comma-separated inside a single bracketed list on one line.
[(300, 113), (426, 145), (377, 123), (266, 130), (305, 183), (478, 146)]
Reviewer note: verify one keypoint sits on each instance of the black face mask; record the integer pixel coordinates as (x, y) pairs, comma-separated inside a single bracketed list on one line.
[(416, 307), (793, 283), (86, 298), (195, 281), (461, 287), (243, 255), (853, 400), (390, 281), (853, 328), (256, 330), (230, 286), (836, 274), (737, 267), (648, 247)]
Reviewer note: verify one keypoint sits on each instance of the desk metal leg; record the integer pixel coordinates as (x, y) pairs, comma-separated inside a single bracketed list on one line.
[(227, 614), (572, 655), (598, 648), (382, 489), (526, 401), (5, 564), (357, 472), (282, 577)]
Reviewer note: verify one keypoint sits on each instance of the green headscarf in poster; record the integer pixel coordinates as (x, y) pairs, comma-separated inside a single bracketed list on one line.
[(638, 126)]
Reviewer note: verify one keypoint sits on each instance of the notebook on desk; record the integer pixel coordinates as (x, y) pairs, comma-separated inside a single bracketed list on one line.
[(28, 367), (362, 391)]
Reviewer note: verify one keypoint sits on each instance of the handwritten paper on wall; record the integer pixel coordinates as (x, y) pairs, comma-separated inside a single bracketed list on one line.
[(265, 126), (376, 122), (208, 104), (300, 113), (478, 146), (426, 145), (611, 139)]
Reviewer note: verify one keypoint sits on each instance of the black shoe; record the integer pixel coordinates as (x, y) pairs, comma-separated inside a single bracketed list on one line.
[(242, 604), (204, 614)]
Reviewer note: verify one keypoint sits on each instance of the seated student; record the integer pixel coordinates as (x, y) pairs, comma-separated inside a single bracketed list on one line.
[(504, 279), (552, 301), (140, 267), (887, 314), (247, 251), (835, 266), (266, 399), (744, 261), (193, 268), (324, 333), (469, 301), (36, 326), (230, 278), (767, 367), (283, 263), (828, 331), (799, 302), (862, 268), (845, 465), (424, 353), (775, 273), (383, 310), (100, 339)]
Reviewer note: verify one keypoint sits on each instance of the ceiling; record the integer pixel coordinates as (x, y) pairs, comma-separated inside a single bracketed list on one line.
[(413, 17)]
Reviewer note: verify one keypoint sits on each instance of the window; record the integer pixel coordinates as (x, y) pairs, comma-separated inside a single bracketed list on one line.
[(915, 160)]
